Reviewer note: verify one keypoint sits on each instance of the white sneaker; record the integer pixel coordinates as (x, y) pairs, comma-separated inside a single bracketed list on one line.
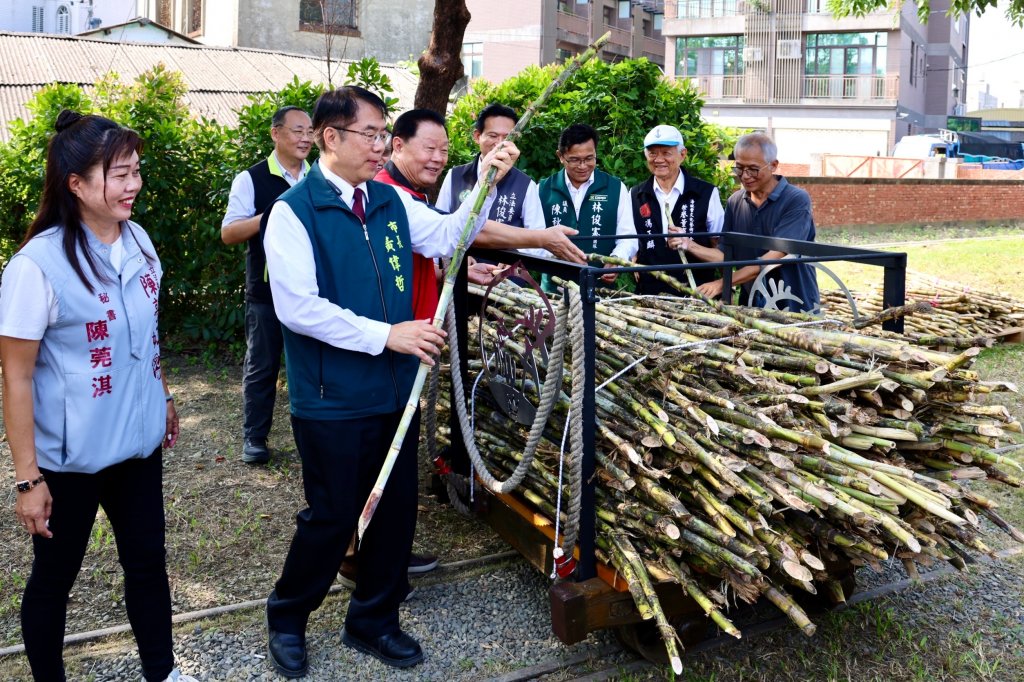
[(178, 676)]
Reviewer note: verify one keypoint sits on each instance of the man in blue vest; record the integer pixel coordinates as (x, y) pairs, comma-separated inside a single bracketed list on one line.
[(765, 205), (587, 199), (672, 200), (517, 203), (339, 255), (252, 192)]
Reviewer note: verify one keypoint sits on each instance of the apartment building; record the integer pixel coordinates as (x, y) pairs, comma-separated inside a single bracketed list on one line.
[(816, 83), (503, 38)]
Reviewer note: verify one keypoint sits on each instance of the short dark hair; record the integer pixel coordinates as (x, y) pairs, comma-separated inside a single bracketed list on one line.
[(278, 118), (494, 110), (338, 107), (408, 124), (80, 144), (577, 133)]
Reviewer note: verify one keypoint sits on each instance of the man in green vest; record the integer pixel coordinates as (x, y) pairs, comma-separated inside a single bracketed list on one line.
[(587, 199)]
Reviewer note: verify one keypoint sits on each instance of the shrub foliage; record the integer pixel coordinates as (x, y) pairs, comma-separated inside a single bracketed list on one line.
[(188, 163), (623, 101)]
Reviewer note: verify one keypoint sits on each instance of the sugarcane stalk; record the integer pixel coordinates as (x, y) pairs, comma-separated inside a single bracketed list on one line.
[(412, 405)]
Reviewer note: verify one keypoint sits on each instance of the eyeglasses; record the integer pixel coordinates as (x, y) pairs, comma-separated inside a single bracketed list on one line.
[(299, 132), (752, 171), (371, 138), (579, 160)]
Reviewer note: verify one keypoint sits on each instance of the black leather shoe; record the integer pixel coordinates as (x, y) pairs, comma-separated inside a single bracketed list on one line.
[(287, 653), (398, 650)]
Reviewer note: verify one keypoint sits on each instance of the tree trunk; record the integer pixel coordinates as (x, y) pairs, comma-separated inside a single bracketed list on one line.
[(441, 65)]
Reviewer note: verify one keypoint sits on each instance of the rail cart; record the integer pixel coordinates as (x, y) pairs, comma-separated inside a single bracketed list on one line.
[(593, 597)]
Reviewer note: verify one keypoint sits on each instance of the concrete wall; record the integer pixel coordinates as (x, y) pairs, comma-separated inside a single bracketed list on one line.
[(869, 201), (220, 23), (390, 30)]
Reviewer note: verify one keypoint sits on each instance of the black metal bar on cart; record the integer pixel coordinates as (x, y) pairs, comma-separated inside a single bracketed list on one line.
[(587, 566)]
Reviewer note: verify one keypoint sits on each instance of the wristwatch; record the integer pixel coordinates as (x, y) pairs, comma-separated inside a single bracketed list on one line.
[(25, 486)]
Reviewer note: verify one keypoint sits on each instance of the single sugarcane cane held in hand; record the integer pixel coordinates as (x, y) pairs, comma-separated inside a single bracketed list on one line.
[(449, 282)]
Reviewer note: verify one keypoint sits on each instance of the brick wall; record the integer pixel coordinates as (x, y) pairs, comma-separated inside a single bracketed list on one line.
[(876, 201)]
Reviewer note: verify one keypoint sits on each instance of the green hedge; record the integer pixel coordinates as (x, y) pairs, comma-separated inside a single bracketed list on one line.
[(188, 164), (623, 101)]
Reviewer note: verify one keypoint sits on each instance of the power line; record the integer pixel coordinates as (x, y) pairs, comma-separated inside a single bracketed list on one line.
[(974, 66)]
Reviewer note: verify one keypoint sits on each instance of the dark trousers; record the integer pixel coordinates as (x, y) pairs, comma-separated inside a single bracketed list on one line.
[(340, 463), (263, 346), (131, 495)]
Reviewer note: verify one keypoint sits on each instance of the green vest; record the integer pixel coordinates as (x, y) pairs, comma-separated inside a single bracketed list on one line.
[(598, 211)]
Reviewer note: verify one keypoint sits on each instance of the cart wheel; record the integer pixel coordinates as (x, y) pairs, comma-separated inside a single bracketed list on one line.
[(644, 638)]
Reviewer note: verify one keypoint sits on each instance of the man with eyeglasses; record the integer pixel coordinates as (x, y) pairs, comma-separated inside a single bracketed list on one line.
[(672, 200), (339, 256), (769, 206), (252, 191), (587, 199)]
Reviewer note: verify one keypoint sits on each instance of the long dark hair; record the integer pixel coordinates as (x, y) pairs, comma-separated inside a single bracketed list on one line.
[(81, 143)]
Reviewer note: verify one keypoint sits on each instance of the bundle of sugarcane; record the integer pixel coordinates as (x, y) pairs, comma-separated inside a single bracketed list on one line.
[(747, 453), (938, 313)]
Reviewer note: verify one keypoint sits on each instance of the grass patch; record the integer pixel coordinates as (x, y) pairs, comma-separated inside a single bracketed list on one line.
[(971, 263)]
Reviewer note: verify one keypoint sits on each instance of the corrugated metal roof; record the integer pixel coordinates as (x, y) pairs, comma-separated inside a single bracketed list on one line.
[(219, 79)]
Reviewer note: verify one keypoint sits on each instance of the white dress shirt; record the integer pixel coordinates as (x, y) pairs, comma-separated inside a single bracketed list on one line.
[(624, 248), (242, 199), (533, 212), (716, 214), (292, 270)]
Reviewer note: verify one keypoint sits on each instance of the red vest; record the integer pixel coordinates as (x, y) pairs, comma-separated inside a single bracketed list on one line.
[(424, 278)]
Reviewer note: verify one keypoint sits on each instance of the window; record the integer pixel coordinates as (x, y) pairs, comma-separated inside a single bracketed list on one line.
[(647, 27), (609, 15), (845, 54), (693, 9), (193, 17), (63, 20), (709, 55), (562, 55), (625, 9), (913, 62), (473, 59), (318, 15), (37, 19), (658, 18), (165, 13)]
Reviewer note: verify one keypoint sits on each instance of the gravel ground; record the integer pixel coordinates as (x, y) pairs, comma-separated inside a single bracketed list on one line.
[(490, 621)]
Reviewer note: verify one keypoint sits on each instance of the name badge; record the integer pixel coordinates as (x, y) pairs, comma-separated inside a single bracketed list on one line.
[(598, 197)]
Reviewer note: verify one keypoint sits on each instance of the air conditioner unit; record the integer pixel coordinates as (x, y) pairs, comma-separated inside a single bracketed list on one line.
[(788, 49), (752, 54)]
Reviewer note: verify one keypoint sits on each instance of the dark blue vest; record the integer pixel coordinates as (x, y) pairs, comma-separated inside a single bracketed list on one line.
[(368, 272), (510, 193)]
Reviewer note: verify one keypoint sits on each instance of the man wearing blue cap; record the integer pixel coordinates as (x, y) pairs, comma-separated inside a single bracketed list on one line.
[(672, 200)]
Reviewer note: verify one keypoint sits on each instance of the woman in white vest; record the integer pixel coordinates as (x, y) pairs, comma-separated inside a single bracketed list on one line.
[(86, 405)]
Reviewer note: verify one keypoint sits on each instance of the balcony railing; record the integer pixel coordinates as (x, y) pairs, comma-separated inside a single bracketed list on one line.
[(857, 88), (718, 88), (853, 89), (653, 46), (620, 41)]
